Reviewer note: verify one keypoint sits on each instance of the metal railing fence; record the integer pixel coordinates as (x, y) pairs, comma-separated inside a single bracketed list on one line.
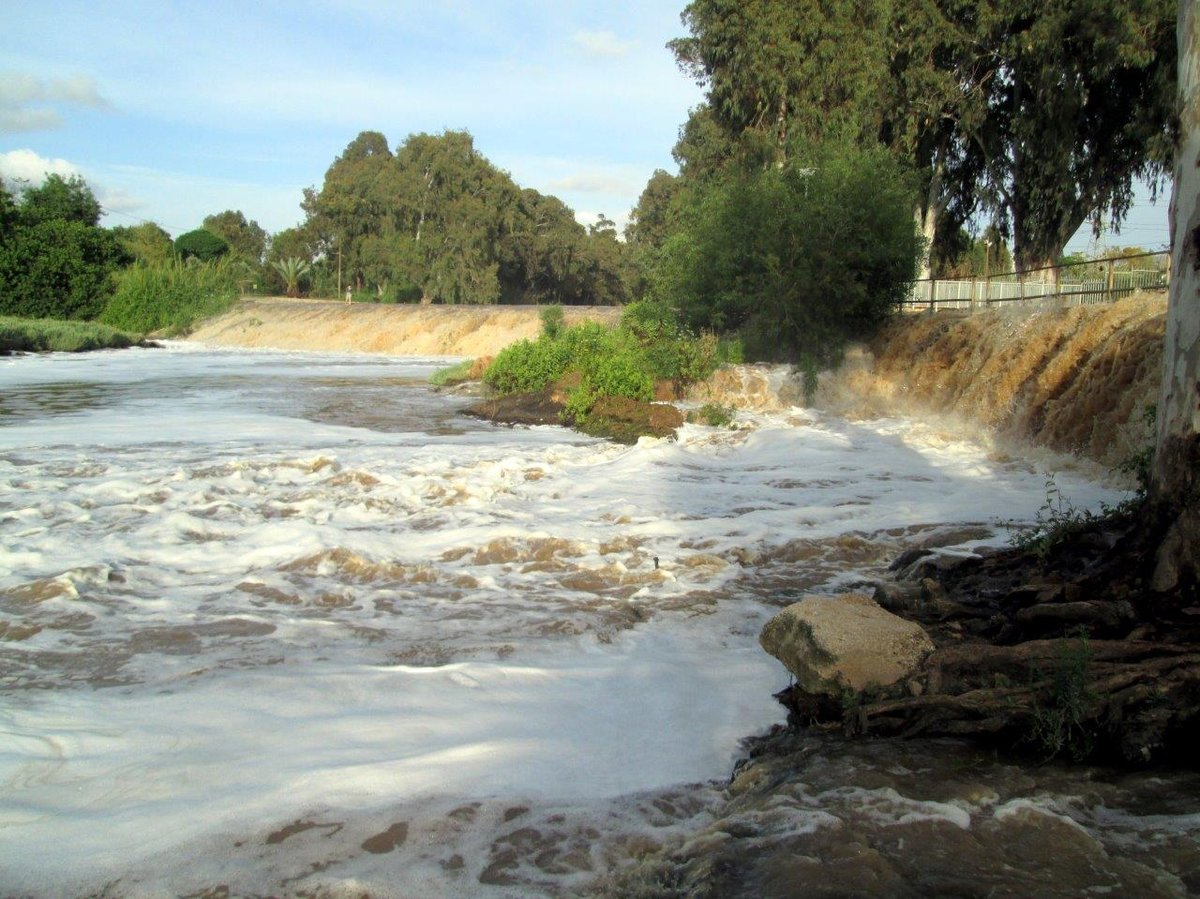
[(1077, 283)]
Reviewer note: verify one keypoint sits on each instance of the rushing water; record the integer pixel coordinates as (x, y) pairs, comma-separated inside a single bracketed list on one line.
[(288, 623)]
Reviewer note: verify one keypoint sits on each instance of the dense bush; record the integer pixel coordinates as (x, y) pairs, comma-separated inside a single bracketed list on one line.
[(57, 268), (609, 362), (796, 259), (172, 297)]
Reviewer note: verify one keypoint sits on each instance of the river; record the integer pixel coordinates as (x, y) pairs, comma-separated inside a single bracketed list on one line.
[(285, 622)]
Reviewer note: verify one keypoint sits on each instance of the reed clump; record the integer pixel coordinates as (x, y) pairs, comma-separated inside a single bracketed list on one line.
[(27, 335), (172, 298)]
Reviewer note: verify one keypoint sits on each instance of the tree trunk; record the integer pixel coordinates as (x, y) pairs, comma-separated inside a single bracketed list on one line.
[(1175, 485)]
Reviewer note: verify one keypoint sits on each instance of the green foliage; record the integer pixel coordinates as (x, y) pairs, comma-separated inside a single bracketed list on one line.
[(172, 297), (146, 243), (1041, 115), (712, 414), (798, 258), (1064, 725), (527, 366), (23, 335), (453, 374), (57, 269), (54, 261), (1139, 465), (616, 362), (437, 216), (60, 199), (201, 244), (292, 270), (246, 238), (552, 322), (1058, 521)]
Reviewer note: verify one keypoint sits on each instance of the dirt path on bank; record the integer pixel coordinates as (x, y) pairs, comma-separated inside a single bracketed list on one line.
[(332, 326)]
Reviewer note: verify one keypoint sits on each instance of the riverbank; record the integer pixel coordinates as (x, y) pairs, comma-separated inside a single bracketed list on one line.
[(27, 335), (407, 330)]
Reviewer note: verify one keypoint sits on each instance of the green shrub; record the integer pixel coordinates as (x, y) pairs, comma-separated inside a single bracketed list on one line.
[(798, 258), (57, 269), (552, 322), (527, 365), (24, 335), (712, 414), (172, 297)]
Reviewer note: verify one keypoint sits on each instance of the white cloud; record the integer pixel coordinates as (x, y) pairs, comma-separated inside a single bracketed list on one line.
[(14, 120), (602, 43), (594, 183), (18, 91), (27, 166)]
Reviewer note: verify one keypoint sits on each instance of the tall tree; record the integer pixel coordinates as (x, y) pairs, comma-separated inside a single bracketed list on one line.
[(1080, 104), (246, 238), (1175, 493)]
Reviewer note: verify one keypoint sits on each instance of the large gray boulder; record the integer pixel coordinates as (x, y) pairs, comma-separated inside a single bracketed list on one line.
[(832, 644)]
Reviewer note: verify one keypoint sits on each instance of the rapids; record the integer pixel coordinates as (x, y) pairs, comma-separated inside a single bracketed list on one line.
[(283, 622)]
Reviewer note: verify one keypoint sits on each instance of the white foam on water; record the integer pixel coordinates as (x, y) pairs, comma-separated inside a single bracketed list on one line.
[(243, 586)]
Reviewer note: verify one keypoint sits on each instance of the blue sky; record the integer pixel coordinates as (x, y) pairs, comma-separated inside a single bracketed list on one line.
[(176, 110)]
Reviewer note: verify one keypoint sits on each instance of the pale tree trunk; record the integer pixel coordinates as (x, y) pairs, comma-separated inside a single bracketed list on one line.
[(1175, 485)]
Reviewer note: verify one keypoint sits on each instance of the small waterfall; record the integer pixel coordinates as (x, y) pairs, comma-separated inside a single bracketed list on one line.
[(1075, 380)]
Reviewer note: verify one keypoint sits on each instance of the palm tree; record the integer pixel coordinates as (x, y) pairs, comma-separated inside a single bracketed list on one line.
[(292, 269)]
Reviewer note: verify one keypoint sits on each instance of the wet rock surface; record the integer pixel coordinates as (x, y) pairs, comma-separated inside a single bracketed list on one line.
[(1052, 650), (832, 644), (809, 815)]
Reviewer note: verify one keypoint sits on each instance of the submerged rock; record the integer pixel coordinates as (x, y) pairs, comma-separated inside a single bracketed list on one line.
[(831, 644)]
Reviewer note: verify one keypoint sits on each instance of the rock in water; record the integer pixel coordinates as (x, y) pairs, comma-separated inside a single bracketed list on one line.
[(831, 644)]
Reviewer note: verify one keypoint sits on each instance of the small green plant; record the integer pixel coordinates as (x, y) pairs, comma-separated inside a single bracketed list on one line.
[(1057, 522), (1063, 725), (712, 414), (1138, 464), (552, 322), (453, 374), (527, 365)]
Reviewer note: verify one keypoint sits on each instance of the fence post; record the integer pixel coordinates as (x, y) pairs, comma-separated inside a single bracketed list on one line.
[(932, 294)]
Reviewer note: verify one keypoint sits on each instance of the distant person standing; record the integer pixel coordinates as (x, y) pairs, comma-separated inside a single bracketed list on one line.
[(349, 296)]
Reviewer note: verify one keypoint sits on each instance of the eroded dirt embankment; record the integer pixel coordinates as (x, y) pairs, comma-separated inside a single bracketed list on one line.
[(330, 326), (1076, 380)]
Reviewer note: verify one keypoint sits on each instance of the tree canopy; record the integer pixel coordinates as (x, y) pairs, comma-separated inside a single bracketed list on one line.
[(55, 262), (1037, 115), (438, 217), (246, 238)]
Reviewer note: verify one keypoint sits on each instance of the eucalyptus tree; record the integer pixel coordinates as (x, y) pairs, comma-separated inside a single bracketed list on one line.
[(246, 238), (1040, 114), (1175, 479), (351, 202), (1080, 105)]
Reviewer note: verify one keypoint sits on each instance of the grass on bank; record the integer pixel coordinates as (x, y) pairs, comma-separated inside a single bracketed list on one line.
[(37, 335)]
